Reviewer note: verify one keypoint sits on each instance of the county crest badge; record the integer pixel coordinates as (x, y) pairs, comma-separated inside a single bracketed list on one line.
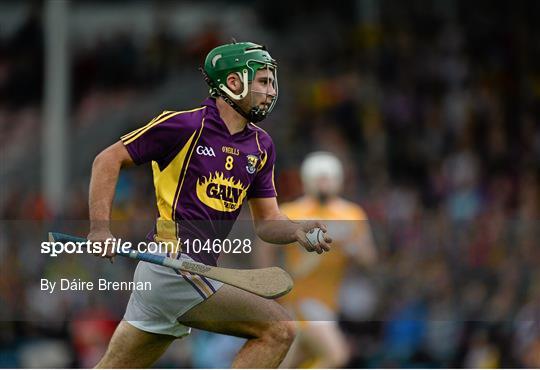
[(251, 163)]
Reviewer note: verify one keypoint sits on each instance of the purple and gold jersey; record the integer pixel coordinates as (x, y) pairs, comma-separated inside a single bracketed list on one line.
[(201, 172)]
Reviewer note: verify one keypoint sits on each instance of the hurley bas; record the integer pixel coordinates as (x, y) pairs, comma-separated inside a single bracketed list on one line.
[(102, 284)]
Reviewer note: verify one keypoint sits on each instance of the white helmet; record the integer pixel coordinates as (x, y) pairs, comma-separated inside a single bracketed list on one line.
[(322, 165)]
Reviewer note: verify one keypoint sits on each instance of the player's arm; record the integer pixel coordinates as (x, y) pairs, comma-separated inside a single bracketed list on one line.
[(272, 226), (105, 171), (360, 245), (365, 253), (152, 142)]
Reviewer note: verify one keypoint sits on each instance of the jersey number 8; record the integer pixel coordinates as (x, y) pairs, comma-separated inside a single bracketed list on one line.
[(229, 163)]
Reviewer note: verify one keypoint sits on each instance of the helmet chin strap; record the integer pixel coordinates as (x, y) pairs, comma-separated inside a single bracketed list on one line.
[(235, 106), (255, 115)]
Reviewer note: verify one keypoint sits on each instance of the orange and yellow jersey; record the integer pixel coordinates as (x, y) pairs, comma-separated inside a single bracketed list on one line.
[(319, 277)]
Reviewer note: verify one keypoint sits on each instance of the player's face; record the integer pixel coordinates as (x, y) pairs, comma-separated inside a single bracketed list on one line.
[(323, 188), (263, 89)]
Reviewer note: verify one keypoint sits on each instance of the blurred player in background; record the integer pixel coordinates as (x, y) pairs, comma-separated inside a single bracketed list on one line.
[(206, 162), (317, 279)]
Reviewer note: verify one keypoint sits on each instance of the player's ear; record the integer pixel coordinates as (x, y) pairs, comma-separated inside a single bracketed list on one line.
[(234, 83)]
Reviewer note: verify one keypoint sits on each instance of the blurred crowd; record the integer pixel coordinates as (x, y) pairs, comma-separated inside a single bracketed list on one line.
[(434, 107)]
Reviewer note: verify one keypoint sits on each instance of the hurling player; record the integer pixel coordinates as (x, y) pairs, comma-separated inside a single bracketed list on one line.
[(206, 162)]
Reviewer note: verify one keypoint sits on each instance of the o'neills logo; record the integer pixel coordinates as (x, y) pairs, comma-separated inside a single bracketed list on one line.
[(221, 193)]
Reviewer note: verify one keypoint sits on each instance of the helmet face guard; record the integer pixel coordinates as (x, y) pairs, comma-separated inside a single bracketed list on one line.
[(244, 59), (256, 113)]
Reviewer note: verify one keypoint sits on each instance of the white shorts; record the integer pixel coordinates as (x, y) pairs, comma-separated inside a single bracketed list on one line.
[(172, 294)]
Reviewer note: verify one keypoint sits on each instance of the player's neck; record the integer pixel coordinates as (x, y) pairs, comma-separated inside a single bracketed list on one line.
[(234, 121)]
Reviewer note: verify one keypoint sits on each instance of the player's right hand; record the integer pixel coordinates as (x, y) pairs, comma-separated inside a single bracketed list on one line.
[(301, 238), (102, 236)]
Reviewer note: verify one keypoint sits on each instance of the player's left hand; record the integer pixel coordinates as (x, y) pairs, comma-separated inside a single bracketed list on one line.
[(322, 245)]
